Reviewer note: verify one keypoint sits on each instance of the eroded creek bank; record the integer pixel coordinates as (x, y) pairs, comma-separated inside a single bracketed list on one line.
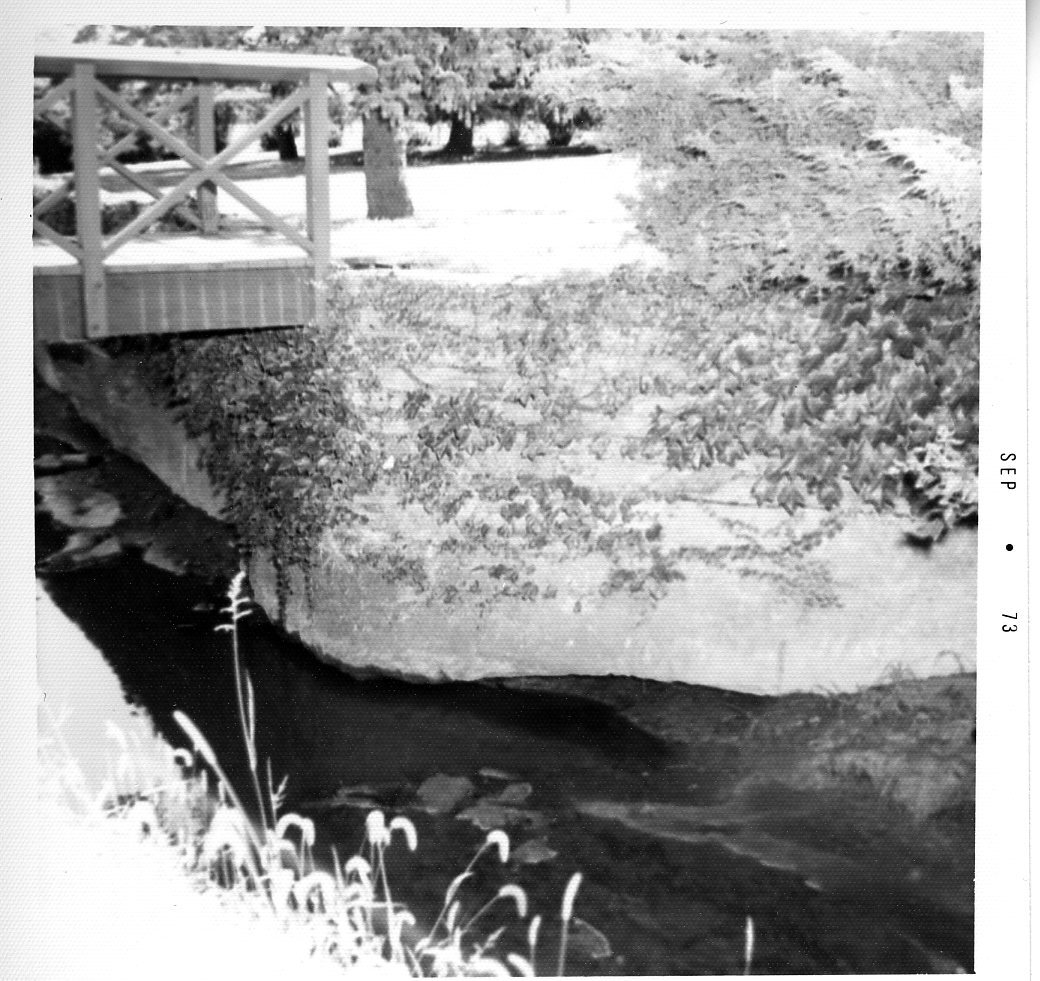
[(843, 825)]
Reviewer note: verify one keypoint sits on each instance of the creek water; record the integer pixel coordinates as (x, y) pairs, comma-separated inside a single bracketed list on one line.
[(668, 904)]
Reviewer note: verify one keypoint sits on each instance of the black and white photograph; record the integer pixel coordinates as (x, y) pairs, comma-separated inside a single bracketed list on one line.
[(506, 499)]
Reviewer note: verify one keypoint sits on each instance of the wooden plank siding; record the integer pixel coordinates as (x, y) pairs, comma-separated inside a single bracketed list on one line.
[(172, 299)]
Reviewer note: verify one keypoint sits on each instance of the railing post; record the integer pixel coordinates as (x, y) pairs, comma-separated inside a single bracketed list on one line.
[(316, 121), (88, 200), (206, 144)]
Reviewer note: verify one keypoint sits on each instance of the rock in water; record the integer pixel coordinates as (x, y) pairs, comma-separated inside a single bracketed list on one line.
[(82, 550), (490, 773), (441, 794), (489, 815), (515, 793), (52, 464), (533, 852), (156, 556), (72, 500)]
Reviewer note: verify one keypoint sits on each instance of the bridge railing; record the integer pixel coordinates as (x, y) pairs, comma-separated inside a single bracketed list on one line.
[(80, 76)]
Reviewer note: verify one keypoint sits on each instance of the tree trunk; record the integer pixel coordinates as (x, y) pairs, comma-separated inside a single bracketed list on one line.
[(460, 139), (285, 141), (282, 138), (384, 150), (560, 134)]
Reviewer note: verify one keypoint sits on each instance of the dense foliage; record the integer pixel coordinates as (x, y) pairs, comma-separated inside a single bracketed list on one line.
[(878, 397), (282, 442), (463, 76), (308, 431), (811, 168), (841, 169)]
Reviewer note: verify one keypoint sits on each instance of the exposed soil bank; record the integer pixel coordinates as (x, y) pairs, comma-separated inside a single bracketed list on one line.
[(891, 608)]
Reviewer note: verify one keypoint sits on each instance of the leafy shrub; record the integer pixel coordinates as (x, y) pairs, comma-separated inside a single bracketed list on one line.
[(283, 439), (52, 146), (62, 216), (905, 74), (786, 168), (879, 396), (115, 212), (566, 100), (790, 183), (241, 104)]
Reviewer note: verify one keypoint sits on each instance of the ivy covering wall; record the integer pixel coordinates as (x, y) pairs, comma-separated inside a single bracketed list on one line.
[(455, 438)]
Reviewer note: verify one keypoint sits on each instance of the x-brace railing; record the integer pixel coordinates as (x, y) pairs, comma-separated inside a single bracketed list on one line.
[(91, 248), (189, 95)]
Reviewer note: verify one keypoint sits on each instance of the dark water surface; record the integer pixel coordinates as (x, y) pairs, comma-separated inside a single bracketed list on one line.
[(668, 906)]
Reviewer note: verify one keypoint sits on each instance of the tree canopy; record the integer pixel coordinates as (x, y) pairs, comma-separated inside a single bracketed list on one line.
[(460, 75)]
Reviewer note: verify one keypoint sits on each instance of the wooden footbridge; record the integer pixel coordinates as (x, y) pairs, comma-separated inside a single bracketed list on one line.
[(137, 280)]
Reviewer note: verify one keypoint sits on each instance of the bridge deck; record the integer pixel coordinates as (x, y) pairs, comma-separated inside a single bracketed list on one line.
[(172, 283), (170, 286)]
